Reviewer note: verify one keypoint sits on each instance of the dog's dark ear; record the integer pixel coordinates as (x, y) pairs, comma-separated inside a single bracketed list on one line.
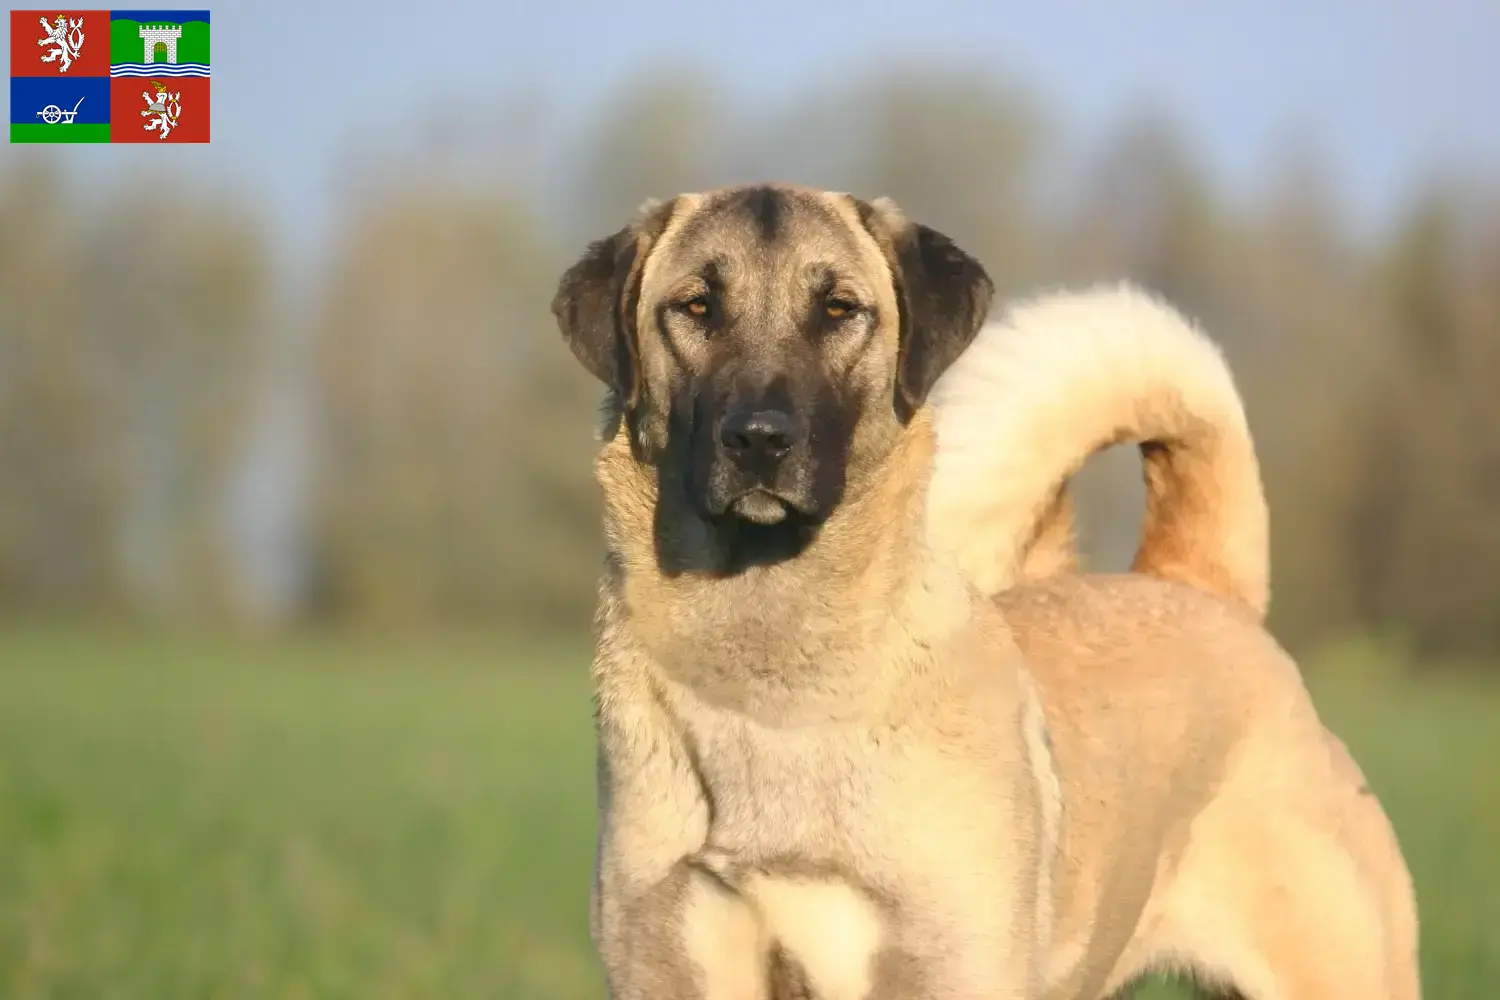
[(596, 300), (943, 293)]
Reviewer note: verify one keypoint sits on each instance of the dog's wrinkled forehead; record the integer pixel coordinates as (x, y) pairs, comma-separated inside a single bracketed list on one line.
[(767, 248)]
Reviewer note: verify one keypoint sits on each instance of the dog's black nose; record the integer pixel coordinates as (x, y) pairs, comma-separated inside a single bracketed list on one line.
[(757, 437)]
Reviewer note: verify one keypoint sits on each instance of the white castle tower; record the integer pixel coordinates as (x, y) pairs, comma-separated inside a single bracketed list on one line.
[(167, 34)]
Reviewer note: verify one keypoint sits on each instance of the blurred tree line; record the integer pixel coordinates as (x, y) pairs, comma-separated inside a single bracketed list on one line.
[(450, 475)]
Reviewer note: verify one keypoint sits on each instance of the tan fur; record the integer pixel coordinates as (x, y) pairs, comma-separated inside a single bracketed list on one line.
[(831, 931), (726, 941), (1043, 791)]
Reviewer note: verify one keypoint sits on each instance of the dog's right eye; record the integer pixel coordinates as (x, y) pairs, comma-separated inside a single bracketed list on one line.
[(697, 306)]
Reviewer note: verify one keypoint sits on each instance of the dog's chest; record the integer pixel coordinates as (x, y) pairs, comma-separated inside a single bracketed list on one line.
[(783, 818), (777, 794)]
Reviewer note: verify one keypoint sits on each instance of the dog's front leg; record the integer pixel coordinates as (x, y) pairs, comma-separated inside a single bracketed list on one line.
[(664, 929), (962, 947), (971, 888), (687, 937), (958, 974)]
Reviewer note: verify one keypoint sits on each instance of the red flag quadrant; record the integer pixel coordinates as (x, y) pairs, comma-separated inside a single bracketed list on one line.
[(77, 47), (185, 118)]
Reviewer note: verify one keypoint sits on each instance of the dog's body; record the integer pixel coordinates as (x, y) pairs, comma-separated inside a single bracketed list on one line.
[(863, 740)]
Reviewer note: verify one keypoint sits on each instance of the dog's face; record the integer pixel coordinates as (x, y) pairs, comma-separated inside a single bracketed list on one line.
[(769, 342)]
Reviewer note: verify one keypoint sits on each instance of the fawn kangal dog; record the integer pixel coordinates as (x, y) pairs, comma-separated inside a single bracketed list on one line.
[(864, 733)]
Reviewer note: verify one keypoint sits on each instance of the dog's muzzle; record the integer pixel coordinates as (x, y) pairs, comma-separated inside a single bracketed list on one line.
[(760, 465)]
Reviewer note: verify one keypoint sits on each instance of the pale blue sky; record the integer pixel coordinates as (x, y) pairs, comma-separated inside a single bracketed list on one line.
[(1387, 88)]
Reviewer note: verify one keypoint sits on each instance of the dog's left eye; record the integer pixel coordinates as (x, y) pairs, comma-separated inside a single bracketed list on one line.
[(839, 308)]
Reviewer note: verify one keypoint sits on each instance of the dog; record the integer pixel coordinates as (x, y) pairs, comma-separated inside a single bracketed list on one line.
[(864, 732)]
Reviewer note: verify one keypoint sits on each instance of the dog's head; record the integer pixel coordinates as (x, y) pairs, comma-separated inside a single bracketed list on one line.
[(769, 342)]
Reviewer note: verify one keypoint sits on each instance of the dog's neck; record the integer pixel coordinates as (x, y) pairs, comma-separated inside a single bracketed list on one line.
[(795, 637)]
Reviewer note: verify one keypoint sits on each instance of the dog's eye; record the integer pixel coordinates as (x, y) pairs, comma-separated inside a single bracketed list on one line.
[(839, 308), (697, 306)]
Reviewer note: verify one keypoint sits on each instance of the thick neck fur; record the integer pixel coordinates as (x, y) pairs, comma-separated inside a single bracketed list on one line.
[(786, 641)]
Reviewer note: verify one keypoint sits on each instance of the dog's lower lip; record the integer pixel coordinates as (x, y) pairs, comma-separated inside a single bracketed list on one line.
[(762, 506)]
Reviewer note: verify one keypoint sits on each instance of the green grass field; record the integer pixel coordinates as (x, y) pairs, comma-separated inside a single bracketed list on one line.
[(186, 818)]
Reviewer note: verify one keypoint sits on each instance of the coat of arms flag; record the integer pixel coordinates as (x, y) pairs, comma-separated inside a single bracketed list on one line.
[(109, 76)]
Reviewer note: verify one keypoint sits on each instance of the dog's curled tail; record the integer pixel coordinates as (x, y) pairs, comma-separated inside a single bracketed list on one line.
[(1063, 376)]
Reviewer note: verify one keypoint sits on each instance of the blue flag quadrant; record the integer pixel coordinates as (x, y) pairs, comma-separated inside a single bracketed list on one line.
[(82, 100)]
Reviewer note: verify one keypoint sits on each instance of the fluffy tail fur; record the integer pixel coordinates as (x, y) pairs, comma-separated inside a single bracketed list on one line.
[(1064, 376)]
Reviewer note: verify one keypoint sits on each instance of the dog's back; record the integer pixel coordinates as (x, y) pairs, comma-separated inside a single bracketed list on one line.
[(1198, 786), (1209, 821)]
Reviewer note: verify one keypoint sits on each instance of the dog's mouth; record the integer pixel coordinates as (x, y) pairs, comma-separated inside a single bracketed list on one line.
[(756, 523), (759, 506), (760, 527), (766, 507)]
